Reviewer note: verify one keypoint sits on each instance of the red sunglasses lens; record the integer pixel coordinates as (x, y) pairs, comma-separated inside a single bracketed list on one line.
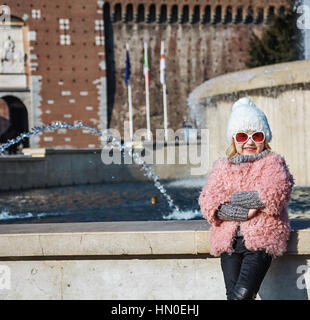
[(258, 137), (241, 137)]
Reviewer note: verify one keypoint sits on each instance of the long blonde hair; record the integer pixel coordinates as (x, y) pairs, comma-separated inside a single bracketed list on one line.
[(231, 151)]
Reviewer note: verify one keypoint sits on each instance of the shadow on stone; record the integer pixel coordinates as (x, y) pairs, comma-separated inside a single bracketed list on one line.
[(282, 280), (285, 279)]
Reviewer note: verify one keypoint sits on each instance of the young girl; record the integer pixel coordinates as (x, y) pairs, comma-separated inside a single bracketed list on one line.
[(245, 200)]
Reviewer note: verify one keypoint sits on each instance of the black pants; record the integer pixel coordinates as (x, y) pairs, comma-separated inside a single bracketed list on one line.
[(244, 271)]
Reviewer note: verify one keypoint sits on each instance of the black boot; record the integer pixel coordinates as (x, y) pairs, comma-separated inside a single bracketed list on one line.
[(241, 293)]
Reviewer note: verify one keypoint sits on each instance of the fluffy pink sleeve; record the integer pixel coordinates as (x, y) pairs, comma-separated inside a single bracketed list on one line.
[(276, 184), (213, 193)]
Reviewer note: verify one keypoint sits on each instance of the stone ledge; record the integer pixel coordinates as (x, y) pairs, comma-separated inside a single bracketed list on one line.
[(12, 81), (118, 238), (19, 158), (286, 73)]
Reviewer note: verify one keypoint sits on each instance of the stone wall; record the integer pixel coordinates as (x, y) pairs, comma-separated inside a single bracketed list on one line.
[(132, 260), (202, 40)]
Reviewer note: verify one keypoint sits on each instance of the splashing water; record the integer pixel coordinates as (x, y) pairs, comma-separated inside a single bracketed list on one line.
[(148, 170), (6, 215), (183, 215)]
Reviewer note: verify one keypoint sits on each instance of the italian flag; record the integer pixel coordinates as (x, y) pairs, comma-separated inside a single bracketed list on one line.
[(146, 65)]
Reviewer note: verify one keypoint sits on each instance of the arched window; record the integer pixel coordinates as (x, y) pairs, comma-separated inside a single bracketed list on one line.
[(140, 17), (106, 12), (129, 13), (260, 16), (196, 14), (239, 15), (117, 12), (174, 14), (207, 15), (152, 14), (163, 14), (249, 16), (185, 14), (218, 14), (228, 15)]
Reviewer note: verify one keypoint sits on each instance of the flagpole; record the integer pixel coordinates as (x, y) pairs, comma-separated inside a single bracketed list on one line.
[(148, 122), (165, 111), (163, 81), (146, 74), (130, 105), (130, 113)]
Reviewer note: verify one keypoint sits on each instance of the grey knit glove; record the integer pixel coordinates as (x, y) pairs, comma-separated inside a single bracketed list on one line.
[(247, 199), (229, 211)]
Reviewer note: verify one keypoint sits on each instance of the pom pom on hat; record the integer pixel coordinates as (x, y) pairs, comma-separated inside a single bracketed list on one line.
[(245, 115)]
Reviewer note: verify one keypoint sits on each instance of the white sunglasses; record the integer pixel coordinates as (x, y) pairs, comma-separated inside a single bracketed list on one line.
[(242, 137)]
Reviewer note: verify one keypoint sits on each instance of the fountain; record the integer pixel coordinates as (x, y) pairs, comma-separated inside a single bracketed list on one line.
[(176, 213)]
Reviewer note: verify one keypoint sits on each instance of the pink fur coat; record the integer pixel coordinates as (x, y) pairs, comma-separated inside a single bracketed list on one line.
[(269, 229)]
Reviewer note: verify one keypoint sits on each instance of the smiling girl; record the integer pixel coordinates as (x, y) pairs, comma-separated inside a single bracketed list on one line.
[(245, 199)]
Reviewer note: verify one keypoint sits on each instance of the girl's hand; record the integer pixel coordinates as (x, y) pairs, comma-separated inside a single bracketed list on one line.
[(252, 213)]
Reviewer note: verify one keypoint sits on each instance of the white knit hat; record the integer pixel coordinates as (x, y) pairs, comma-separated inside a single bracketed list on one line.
[(246, 116)]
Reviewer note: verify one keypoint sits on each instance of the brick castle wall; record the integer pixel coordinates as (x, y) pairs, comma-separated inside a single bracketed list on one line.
[(67, 72)]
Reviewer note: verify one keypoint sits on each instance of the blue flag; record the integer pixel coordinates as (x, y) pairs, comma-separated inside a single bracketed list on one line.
[(127, 70)]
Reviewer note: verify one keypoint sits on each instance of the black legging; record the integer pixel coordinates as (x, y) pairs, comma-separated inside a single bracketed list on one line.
[(244, 271)]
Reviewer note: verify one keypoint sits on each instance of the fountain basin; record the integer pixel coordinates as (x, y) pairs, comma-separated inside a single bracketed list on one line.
[(84, 166)]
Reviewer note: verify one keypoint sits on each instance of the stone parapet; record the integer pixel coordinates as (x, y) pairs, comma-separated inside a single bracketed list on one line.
[(141, 238), (132, 260)]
